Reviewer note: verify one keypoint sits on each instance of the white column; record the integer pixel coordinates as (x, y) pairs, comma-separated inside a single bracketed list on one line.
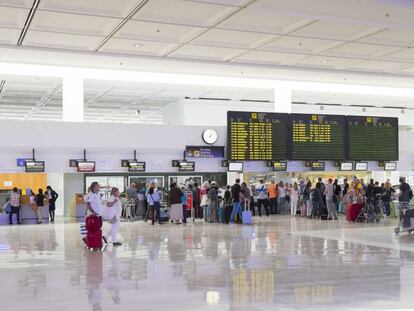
[(283, 98), (72, 99)]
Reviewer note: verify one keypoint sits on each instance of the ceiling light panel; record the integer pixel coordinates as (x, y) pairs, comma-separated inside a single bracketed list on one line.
[(294, 44), (254, 19), (233, 38), (335, 30), (206, 52), (126, 46), (11, 17), (184, 12), (118, 8), (73, 23), (61, 40), (150, 31), (362, 50), (268, 58)]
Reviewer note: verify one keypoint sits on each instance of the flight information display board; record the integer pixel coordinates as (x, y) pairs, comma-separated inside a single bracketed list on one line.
[(257, 136), (317, 137), (372, 138)]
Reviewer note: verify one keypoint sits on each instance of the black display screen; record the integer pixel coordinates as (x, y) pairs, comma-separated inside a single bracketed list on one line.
[(35, 166), (372, 138), (317, 137), (185, 166), (135, 166), (257, 136)]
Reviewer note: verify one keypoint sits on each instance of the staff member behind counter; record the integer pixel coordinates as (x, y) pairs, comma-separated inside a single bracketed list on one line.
[(94, 203)]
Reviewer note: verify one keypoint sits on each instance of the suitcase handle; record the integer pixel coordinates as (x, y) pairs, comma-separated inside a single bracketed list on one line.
[(247, 205)]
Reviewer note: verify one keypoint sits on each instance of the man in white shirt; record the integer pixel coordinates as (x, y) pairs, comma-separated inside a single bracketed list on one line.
[(94, 203), (329, 192), (262, 198)]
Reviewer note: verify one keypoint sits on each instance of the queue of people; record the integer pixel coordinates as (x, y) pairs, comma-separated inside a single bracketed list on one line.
[(37, 201)]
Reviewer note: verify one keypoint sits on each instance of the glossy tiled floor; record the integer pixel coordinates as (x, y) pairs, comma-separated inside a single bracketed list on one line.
[(276, 264)]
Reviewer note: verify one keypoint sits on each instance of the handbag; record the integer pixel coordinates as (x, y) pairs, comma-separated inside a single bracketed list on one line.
[(7, 207)]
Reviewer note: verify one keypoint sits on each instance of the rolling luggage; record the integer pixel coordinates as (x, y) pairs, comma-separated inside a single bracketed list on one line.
[(303, 210), (353, 211), (247, 213), (94, 239), (93, 223), (227, 213)]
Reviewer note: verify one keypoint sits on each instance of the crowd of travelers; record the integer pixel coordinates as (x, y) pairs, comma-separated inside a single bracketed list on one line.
[(214, 204)]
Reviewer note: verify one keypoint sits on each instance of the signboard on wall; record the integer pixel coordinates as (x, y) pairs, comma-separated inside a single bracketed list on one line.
[(204, 152), (135, 166)]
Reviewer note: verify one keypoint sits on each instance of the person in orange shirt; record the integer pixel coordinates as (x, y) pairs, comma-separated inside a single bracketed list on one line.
[(272, 191)]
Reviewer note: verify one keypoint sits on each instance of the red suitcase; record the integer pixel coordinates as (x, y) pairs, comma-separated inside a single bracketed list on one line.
[(93, 223), (353, 211), (94, 239)]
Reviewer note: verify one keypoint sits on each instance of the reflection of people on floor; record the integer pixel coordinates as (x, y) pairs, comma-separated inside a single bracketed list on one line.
[(94, 278), (113, 276)]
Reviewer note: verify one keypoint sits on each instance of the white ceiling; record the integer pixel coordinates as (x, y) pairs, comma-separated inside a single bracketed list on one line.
[(359, 35), (368, 36), (40, 98)]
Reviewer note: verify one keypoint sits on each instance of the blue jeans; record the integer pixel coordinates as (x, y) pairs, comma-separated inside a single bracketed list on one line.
[(236, 210), (387, 207)]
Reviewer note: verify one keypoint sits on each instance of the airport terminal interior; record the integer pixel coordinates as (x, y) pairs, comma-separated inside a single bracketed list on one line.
[(206, 155)]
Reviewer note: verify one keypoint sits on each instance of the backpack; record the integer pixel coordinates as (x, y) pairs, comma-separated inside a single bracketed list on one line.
[(410, 194)]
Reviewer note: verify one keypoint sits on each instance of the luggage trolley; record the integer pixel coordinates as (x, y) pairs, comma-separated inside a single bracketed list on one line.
[(406, 223)]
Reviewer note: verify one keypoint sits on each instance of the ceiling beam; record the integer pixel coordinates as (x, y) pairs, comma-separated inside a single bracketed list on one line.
[(28, 22), (121, 24)]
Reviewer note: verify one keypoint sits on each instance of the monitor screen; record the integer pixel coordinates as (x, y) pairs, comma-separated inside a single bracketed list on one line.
[(390, 166), (280, 166), (35, 166), (185, 166), (347, 166), (257, 136), (86, 166), (315, 136), (361, 166), (372, 138), (318, 166), (236, 167), (135, 166)]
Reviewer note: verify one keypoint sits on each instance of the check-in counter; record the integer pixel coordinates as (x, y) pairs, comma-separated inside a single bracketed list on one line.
[(28, 213), (78, 207)]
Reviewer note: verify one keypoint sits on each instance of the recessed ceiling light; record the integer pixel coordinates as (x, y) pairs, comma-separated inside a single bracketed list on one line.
[(138, 45), (324, 61)]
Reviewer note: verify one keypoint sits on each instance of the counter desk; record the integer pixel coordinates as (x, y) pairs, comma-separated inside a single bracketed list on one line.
[(78, 207), (27, 212)]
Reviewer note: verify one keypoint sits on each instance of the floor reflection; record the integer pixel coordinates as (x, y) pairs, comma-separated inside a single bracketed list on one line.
[(277, 264)]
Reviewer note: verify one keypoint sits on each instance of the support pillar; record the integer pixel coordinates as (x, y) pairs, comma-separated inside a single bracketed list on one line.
[(72, 99), (283, 98)]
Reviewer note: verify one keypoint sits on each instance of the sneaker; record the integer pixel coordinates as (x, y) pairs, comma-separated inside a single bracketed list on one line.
[(117, 244)]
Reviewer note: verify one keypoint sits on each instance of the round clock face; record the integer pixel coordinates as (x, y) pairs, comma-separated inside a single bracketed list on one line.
[(210, 136)]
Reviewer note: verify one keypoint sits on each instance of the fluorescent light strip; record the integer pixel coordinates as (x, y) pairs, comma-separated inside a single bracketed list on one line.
[(201, 80), (28, 22)]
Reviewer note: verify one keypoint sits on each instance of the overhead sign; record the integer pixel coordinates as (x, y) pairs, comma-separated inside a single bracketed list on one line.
[(361, 166), (21, 162), (318, 166), (204, 152), (35, 166), (135, 166), (390, 166), (86, 166), (347, 166), (279, 166), (185, 166)]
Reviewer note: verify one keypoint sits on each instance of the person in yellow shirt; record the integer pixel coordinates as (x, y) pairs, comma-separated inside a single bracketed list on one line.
[(272, 191)]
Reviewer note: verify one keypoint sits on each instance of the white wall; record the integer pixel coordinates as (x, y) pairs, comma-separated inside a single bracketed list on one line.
[(55, 180), (72, 183), (107, 144)]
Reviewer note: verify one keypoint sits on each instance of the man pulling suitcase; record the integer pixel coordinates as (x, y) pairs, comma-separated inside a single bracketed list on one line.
[(93, 221)]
